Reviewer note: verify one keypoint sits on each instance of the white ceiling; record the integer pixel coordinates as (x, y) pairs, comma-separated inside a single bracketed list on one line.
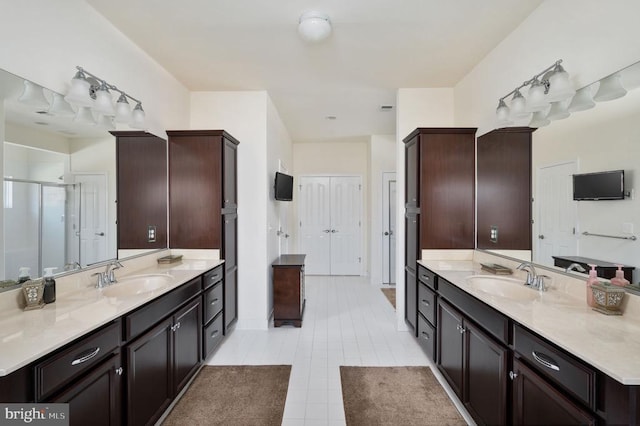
[(376, 47)]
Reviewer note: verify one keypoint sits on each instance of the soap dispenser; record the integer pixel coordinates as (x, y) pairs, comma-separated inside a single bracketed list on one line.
[(49, 295), (619, 279), (24, 274), (593, 279)]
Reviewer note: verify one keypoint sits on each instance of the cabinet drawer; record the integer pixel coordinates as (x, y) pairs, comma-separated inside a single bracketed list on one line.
[(212, 277), (427, 337), (212, 335), (147, 316), (555, 364), (427, 302), (427, 277), (213, 300), (61, 368)]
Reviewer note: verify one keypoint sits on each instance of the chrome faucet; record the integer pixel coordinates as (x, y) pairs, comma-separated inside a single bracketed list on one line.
[(531, 273), (109, 271), (575, 267), (102, 280)]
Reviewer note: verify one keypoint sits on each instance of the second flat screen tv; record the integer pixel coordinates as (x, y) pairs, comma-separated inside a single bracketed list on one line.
[(283, 187), (599, 186)]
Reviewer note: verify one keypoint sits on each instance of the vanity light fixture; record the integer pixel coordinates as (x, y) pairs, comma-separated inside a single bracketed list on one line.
[(582, 100), (60, 107), (33, 95), (92, 92), (546, 87), (610, 88)]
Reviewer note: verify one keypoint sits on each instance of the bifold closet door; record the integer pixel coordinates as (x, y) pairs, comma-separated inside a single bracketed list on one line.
[(330, 213)]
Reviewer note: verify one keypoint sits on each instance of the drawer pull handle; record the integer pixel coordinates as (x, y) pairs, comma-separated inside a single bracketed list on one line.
[(214, 301), (425, 335), (424, 277), (545, 360), (87, 357), (214, 333), (425, 302)]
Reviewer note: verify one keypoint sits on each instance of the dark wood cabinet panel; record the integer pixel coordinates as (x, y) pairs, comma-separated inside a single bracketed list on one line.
[(410, 298), (96, 399), (411, 171), (142, 191), (450, 346), (504, 188), (187, 344), (427, 302), (149, 361), (229, 240), (485, 377), (427, 337), (288, 290), (230, 298), (535, 402), (230, 164)]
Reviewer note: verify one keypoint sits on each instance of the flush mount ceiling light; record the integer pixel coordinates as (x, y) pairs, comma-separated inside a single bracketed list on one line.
[(94, 93), (314, 26), (550, 85)]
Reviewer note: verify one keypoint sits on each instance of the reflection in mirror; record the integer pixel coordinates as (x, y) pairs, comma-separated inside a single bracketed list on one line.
[(59, 185), (603, 138)]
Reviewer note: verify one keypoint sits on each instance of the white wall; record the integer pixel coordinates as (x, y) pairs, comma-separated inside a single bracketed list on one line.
[(349, 157), (416, 108), (244, 116), (382, 159), (279, 213)]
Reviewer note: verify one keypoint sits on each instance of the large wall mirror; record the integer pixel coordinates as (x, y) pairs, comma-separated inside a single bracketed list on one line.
[(603, 138), (59, 191)]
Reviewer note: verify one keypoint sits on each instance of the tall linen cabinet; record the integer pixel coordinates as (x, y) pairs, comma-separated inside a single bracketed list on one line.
[(203, 205)]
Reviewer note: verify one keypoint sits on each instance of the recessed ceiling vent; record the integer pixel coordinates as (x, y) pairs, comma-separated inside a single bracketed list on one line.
[(386, 107)]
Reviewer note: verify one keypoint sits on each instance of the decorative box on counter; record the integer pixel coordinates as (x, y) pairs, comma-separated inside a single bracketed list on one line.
[(608, 298)]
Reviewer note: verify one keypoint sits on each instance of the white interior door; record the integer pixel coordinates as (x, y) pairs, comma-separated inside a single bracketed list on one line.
[(93, 218), (330, 213), (388, 225), (556, 218), (315, 224)]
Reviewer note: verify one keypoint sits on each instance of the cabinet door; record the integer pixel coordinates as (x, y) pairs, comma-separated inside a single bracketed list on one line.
[(149, 374), (536, 402), (411, 167), (450, 345), (411, 298), (230, 297), (485, 377), (96, 399), (412, 247), (229, 177), (229, 240), (187, 343)]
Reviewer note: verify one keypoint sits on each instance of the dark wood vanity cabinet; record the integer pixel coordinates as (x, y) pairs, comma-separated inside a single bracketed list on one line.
[(142, 192), (212, 306), (203, 200), (288, 290), (427, 313), (504, 189)]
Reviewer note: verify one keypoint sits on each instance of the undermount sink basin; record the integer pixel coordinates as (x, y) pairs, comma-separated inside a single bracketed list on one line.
[(508, 288), (137, 284)]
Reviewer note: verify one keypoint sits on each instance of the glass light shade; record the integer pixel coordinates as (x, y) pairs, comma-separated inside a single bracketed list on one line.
[(536, 99), (106, 122), (137, 117), (558, 110), (539, 119), (104, 102), (79, 93), (314, 26), (502, 112), (610, 88), (84, 116), (33, 95), (560, 87), (518, 106), (123, 110), (59, 107), (582, 100)]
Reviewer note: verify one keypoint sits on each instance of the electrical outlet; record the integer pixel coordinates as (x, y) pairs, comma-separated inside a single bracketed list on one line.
[(151, 234)]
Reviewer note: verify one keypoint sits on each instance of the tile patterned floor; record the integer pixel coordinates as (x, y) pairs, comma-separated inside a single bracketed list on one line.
[(347, 321)]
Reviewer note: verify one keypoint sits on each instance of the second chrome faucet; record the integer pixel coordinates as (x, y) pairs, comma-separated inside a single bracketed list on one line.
[(108, 277), (533, 279)]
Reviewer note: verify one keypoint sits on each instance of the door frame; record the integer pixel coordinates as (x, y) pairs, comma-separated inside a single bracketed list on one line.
[(387, 178)]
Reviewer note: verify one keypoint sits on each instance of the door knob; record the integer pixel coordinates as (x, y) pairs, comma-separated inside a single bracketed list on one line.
[(100, 234), (333, 231), (386, 233), (326, 231), (541, 237)]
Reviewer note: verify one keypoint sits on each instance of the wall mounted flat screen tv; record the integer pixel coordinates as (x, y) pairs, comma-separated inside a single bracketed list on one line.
[(283, 187), (599, 186)]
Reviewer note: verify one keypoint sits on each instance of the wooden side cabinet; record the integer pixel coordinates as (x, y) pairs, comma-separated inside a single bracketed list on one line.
[(288, 290)]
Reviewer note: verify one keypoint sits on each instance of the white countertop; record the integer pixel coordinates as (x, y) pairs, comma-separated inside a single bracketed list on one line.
[(80, 308), (609, 343)]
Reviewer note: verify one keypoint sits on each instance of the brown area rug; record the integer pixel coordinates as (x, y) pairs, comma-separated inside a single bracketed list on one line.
[(395, 396), (391, 295), (234, 395)]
